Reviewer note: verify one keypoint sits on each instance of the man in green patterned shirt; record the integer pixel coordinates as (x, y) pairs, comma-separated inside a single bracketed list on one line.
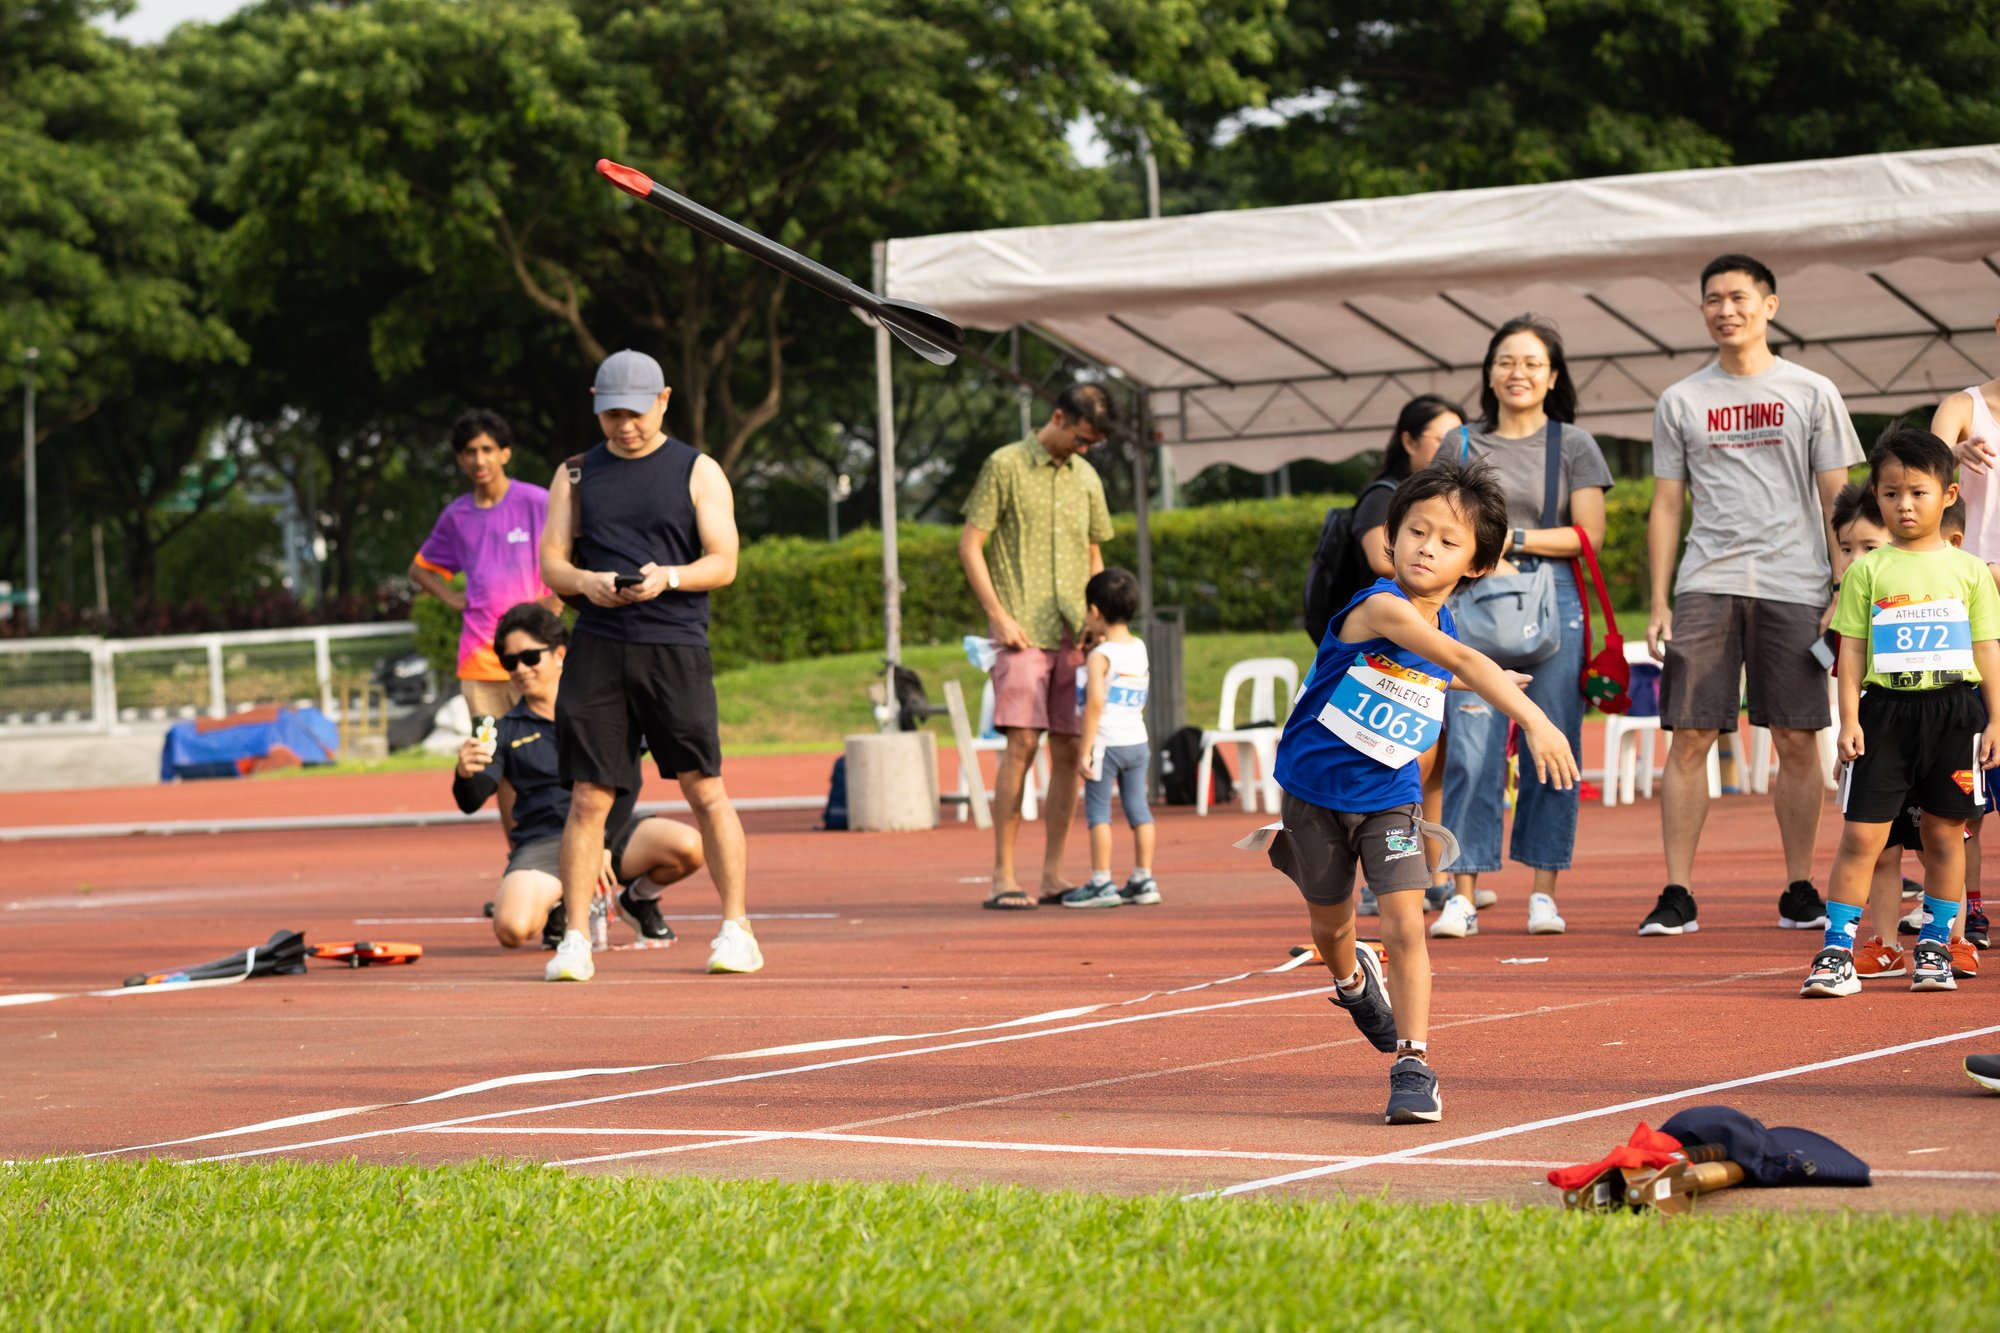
[(1033, 526)]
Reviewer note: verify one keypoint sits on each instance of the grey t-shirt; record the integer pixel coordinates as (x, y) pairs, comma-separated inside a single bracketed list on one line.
[(1521, 467), (1748, 447)]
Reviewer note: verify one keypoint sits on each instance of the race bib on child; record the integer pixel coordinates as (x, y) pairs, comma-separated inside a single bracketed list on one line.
[(1920, 636), (1385, 710)]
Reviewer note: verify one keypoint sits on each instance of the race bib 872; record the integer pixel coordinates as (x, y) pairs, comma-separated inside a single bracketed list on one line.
[(1387, 711), (1920, 636)]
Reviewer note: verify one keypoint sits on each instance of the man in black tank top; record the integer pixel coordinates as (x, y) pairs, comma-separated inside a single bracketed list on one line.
[(640, 528)]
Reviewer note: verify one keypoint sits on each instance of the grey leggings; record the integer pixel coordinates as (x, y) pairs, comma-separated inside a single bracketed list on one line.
[(1125, 765)]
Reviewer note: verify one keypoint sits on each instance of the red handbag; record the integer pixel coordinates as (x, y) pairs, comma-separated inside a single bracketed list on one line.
[(1607, 676)]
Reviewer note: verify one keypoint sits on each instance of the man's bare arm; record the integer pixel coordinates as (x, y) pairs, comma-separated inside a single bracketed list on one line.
[(972, 556), (437, 586)]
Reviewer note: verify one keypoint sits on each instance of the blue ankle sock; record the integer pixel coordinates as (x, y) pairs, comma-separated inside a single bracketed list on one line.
[(1938, 916), (1840, 922)]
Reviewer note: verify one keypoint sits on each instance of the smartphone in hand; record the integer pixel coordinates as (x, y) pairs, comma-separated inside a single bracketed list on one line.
[(627, 580)]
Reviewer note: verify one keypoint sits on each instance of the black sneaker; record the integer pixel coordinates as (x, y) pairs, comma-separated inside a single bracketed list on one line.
[(1975, 928), (1984, 1070), (1801, 908), (1930, 967), (1413, 1094), (1139, 891), (1673, 914), (643, 915), (557, 923), (1370, 1009)]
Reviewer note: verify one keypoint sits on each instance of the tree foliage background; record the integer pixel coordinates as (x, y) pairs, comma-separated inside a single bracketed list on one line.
[(269, 260)]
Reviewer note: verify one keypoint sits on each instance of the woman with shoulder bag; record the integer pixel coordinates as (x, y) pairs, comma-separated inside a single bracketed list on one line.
[(1527, 404)]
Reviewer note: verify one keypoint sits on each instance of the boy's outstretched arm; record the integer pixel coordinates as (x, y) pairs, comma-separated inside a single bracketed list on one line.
[(1396, 620)]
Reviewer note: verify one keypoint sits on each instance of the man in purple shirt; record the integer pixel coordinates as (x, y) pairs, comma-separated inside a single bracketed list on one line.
[(492, 535)]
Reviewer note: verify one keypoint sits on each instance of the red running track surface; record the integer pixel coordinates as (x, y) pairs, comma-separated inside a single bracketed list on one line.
[(878, 938)]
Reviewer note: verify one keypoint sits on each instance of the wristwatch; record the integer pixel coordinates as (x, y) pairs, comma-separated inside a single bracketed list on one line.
[(674, 577), (1520, 538)]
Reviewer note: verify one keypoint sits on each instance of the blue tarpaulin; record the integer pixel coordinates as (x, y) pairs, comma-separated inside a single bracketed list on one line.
[(231, 748)]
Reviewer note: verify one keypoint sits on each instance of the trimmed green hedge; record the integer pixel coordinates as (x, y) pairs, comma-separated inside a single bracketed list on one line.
[(1234, 566)]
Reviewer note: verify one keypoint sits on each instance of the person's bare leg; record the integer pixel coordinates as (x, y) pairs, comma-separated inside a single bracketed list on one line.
[(722, 842), (1059, 808), (1944, 859), (1684, 800), (1798, 796), (1144, 839), (521, 906), (1333, 936), (1973, 864), (583, 850), (664, 851), (1100, 851), (1885, 894), (1012, 775), (1409, 963)]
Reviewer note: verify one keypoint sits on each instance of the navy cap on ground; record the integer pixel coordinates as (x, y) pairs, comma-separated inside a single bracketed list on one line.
[(1785, 1155)]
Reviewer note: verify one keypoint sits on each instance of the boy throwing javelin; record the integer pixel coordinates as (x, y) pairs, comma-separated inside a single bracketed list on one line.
[(1918, 622), (1347, 761)]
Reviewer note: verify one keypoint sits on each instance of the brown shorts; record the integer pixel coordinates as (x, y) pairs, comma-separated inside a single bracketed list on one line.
[(1319, 849), (1724, 647), (1036, 688), (490, 697)]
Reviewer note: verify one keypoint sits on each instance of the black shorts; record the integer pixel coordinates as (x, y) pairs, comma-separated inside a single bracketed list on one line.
[(1907, 832), (616, 695), (1319, 850), (1921, 750)]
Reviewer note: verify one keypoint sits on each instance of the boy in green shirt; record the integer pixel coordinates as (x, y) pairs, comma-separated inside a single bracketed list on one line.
[(1919, 625)]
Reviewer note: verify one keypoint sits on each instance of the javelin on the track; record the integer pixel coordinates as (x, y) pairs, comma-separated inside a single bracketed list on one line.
[(918, 327)]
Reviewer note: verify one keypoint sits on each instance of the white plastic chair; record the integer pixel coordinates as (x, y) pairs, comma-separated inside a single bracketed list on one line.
[(1630, 745), (1764, 750), (1274, 684), (985, 740)]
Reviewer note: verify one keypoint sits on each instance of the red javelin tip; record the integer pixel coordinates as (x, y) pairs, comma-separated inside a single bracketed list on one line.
[(628, 179)]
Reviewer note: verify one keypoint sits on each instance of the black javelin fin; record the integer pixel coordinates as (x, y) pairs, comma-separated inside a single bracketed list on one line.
[(284, 954)]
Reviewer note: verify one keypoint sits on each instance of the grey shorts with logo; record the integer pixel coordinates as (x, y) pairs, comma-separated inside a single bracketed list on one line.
[(1318, 850)]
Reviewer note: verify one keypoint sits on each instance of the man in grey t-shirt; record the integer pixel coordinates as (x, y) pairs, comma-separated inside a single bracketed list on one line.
[(1763, 446)]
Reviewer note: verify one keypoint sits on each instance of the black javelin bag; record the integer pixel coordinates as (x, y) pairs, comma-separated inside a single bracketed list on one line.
[(1512, 618)]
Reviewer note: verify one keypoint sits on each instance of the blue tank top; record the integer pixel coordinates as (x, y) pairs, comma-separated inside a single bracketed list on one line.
[(637, 510), (1367, 711)]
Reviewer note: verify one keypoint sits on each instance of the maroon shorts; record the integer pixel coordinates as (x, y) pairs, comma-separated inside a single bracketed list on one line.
[(1036, 688)]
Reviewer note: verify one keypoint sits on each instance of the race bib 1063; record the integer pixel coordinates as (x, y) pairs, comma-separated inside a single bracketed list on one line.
[(1921, 636), (1387, 711)]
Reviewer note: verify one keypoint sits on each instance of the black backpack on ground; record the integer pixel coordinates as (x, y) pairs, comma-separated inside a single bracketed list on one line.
[(1181, 760), (1338, 568)]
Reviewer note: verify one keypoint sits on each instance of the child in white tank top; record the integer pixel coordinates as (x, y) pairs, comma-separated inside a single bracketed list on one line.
[(1111, 691)]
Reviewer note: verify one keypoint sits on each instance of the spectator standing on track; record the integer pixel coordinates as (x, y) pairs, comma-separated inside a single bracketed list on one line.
[(1112, 687), (1919, 624), (1372, 703), (1762, 445), (1034, 524), (493, 535), (1526, 398), (1970, 423), (657, 533), (641, 857)]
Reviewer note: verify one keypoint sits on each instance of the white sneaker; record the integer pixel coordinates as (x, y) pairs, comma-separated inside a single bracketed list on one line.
[(1484, 897), (1458, 919), (572, 961), (1543, 919), (735, 949)]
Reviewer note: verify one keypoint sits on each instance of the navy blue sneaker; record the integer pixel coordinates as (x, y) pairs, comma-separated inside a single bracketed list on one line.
[(1413, 1094), (1370, 1010)]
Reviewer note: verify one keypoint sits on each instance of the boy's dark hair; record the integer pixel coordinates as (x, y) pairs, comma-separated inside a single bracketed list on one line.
[(480, 421), (1759, 274), (1916, 449), (1856, 500), (1561, 402), (1088, 403), (1954, 517), (534, 620), (1115, 594), (1473, 491)]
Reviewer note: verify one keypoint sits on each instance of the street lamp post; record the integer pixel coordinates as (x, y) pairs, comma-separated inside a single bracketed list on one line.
[(34, 595)]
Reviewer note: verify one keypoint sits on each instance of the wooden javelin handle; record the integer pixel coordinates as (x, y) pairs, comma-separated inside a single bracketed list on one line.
[(1707, 1177)]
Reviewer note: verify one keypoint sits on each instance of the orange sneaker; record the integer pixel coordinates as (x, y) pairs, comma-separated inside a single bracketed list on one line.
[(1873, 960), (1964, 958)]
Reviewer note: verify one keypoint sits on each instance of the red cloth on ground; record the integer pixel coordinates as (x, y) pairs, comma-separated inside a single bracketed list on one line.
[(1646, 1147)]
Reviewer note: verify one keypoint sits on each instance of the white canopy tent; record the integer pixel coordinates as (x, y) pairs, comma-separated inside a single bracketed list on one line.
[(1267, 335)]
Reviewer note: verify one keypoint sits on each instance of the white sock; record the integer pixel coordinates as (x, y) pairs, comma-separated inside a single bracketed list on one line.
[(1098, 877), (1142, 872), (1354, 985), (1416, 1048), (644, 889)]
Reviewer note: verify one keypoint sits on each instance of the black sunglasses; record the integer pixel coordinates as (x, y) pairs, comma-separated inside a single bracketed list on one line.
[(529, 657)]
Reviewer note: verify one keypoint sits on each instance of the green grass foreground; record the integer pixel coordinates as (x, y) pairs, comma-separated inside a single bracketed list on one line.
[(155, 1245)]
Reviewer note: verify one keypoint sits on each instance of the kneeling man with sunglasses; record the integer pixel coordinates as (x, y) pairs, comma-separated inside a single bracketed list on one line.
[(641, 856)]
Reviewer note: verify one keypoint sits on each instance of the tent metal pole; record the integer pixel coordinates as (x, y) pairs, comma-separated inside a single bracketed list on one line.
[(885, 463)]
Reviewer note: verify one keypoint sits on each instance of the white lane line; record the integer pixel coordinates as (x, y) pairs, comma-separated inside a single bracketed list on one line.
[(758, 1075), (162, 988), (734, 1141), (1551, 1122)]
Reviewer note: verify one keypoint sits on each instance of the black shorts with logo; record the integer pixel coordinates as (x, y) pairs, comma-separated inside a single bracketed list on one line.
[(616, 695), (1319, 850), (1921, 750)]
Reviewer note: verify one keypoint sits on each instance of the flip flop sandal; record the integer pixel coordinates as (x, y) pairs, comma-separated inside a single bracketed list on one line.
[(1011, 901)]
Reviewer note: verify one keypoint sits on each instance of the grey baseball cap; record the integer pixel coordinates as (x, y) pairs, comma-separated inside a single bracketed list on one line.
[(628, 379)]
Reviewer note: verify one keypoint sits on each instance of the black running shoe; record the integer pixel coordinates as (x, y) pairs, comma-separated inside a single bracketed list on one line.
[(1673, 914), (553, 928), (1975, 928), (1800, 907), (1370, 1009), (643, 915), (1413, 1094), (1984, 1070)]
